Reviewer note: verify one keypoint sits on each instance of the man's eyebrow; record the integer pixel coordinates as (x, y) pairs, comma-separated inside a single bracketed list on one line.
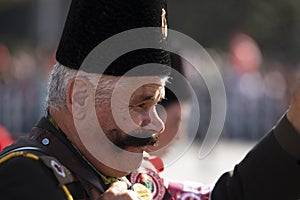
[(147, 98), (151, 97)]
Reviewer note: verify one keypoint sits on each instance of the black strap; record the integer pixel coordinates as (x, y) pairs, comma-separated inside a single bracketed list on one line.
[(63, 153)]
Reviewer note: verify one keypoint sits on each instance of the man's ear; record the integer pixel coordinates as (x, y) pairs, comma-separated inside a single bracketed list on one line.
[(79, 96)]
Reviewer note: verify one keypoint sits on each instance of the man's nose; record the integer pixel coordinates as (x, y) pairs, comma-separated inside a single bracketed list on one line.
[(153, 122)]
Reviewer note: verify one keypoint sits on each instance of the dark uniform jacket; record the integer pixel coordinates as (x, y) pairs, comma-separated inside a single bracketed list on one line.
[(45, 165)]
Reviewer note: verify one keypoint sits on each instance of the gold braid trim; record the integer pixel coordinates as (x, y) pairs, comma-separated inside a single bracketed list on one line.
[(108, 180), (67, 192), (18, 154), (34, 157)]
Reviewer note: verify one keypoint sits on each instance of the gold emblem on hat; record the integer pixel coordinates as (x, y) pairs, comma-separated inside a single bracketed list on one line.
[(142, 192), (164, 25)]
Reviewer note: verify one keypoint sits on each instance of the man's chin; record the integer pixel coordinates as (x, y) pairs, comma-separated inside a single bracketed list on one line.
[(135, 162), (127, 164)]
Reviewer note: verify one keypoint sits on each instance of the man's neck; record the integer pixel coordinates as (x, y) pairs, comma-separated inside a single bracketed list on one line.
[(62, 119)]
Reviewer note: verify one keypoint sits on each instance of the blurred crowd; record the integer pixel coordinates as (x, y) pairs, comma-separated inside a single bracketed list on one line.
[(23, 81), (257, 89)]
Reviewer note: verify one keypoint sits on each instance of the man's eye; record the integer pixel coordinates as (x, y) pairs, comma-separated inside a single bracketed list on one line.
[(142, 105), (138, 106)]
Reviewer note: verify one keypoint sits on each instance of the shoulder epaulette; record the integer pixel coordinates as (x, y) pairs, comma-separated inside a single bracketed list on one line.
[(62, 174)]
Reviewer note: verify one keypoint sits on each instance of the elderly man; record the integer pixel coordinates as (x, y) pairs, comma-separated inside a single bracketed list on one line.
[(79, 149), (101, 118)]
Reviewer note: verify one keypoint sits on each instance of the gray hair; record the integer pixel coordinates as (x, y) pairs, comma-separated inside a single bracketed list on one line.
[(60, 78)]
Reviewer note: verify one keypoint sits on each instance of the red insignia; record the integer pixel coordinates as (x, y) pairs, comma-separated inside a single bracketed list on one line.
[(58, 168), (151, 180)]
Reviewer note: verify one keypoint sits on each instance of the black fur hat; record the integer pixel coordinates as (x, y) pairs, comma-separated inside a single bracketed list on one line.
[(90, 22)]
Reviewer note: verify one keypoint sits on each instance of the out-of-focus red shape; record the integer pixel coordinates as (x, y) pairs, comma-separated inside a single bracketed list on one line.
[(4, 57), (5, 138), (244, 53)]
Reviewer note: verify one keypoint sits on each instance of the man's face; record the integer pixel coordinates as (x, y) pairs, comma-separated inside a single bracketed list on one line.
[(139, 121), (126, 125)]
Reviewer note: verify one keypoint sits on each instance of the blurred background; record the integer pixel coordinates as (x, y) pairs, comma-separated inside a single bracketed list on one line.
[(254, 43)]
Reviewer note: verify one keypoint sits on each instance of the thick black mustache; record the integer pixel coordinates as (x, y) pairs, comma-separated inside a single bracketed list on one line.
[(137, 138)]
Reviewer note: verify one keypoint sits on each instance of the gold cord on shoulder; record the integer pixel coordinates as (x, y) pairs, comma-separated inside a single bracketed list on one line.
[(67, 192), (18, 154), (34, 157)]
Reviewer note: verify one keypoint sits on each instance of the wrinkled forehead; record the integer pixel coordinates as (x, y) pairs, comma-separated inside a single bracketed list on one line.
[(146, 86)]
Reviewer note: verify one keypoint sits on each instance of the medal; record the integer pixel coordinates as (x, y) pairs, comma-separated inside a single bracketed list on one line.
[(142, 192), (151, 180)]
